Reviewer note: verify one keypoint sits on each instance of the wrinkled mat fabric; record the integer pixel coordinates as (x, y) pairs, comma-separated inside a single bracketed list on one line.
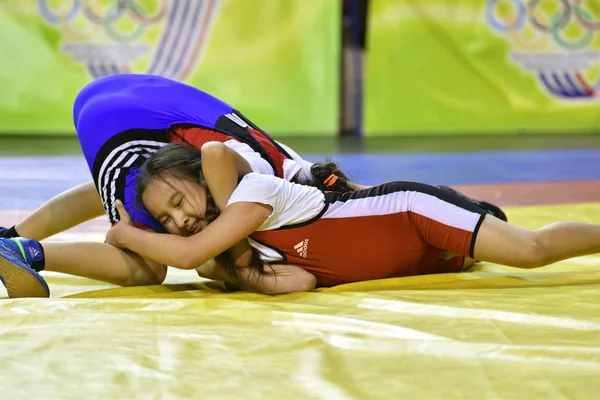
[(493, 333)]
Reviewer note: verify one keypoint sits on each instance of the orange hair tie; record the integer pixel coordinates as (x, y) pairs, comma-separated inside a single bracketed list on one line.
[(330, 181)]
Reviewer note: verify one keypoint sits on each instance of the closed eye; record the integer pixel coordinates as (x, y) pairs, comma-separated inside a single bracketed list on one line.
[(180, 202)]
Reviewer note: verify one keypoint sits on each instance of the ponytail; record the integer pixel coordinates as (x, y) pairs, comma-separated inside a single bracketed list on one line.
[(328, 177)]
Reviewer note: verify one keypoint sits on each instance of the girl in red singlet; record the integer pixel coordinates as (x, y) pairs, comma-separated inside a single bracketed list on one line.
[(301, 237)]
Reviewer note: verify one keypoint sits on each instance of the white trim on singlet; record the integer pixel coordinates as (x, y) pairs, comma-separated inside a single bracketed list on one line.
[(126, 154), (402, 201), (113, 181), (233, 117)]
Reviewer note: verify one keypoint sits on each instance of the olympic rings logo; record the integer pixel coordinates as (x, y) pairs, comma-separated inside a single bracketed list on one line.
[(171, 48), (66, 15), (544, 27)]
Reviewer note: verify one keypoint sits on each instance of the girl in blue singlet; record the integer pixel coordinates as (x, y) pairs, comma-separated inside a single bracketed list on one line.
[(122, 119)]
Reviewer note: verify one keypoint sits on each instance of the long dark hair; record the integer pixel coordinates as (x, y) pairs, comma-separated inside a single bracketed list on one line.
[(185, 162), (327, 176)]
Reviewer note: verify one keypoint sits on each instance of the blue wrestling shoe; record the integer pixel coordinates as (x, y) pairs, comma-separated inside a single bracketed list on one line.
[(8, 232), (18, 258)]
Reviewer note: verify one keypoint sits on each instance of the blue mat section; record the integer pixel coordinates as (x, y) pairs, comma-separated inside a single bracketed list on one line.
[(26, 182), (470, 168)]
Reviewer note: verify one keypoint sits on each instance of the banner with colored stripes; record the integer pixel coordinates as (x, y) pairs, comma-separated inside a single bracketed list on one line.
[(482, 66), (277, 62)]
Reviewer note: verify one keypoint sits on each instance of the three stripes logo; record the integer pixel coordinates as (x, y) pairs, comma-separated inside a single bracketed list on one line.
[(158, 37), (302, 248), (34, 253), (237, 120)]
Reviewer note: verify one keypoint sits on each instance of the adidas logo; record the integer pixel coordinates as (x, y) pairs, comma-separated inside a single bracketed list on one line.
[(33, 252), (302, 248)]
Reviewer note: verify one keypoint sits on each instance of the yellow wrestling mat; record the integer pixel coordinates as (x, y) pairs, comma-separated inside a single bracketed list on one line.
[(495, 333)]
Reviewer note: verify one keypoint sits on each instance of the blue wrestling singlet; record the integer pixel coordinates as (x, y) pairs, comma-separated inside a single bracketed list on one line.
[(121, 120)]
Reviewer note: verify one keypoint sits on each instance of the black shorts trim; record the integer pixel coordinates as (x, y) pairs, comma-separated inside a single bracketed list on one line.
[(475, 233), (266, 135), (121, 138), (305, 223), (405, 186)]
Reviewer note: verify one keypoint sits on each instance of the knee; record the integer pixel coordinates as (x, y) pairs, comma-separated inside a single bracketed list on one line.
[(533, 254)]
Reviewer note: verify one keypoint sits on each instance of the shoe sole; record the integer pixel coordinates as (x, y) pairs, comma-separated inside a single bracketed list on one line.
[(20, 282)]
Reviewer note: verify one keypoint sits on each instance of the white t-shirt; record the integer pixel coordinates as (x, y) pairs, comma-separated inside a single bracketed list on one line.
[(292, 204), (257, 163), (295, 167)]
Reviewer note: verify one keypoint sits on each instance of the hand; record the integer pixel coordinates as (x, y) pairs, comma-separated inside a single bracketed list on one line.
[(117, 234)]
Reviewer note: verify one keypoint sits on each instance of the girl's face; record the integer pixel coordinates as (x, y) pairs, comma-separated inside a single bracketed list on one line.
[(178, 204)]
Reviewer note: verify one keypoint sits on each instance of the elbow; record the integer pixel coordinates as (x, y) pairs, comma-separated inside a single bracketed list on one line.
[(213, 149), (308, 284), (186, 261), (304, 282), (186, 265)]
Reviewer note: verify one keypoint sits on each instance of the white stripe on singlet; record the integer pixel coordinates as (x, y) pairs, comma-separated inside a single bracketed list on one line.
[(121, 157), (403, 201)]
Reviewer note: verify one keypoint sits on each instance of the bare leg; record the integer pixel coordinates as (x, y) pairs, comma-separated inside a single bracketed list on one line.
[(97, 261), (506, 244), (89, 260), (62, 212), (102, 262)]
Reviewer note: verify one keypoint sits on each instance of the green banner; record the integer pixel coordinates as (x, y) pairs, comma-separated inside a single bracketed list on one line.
[(475, 66), (277, 61)]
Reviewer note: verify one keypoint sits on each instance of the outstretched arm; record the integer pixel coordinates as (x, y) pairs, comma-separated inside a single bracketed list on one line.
[(278, 279), (237, 222)]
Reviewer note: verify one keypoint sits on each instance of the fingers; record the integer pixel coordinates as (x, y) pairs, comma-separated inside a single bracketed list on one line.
[(123, 214)]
